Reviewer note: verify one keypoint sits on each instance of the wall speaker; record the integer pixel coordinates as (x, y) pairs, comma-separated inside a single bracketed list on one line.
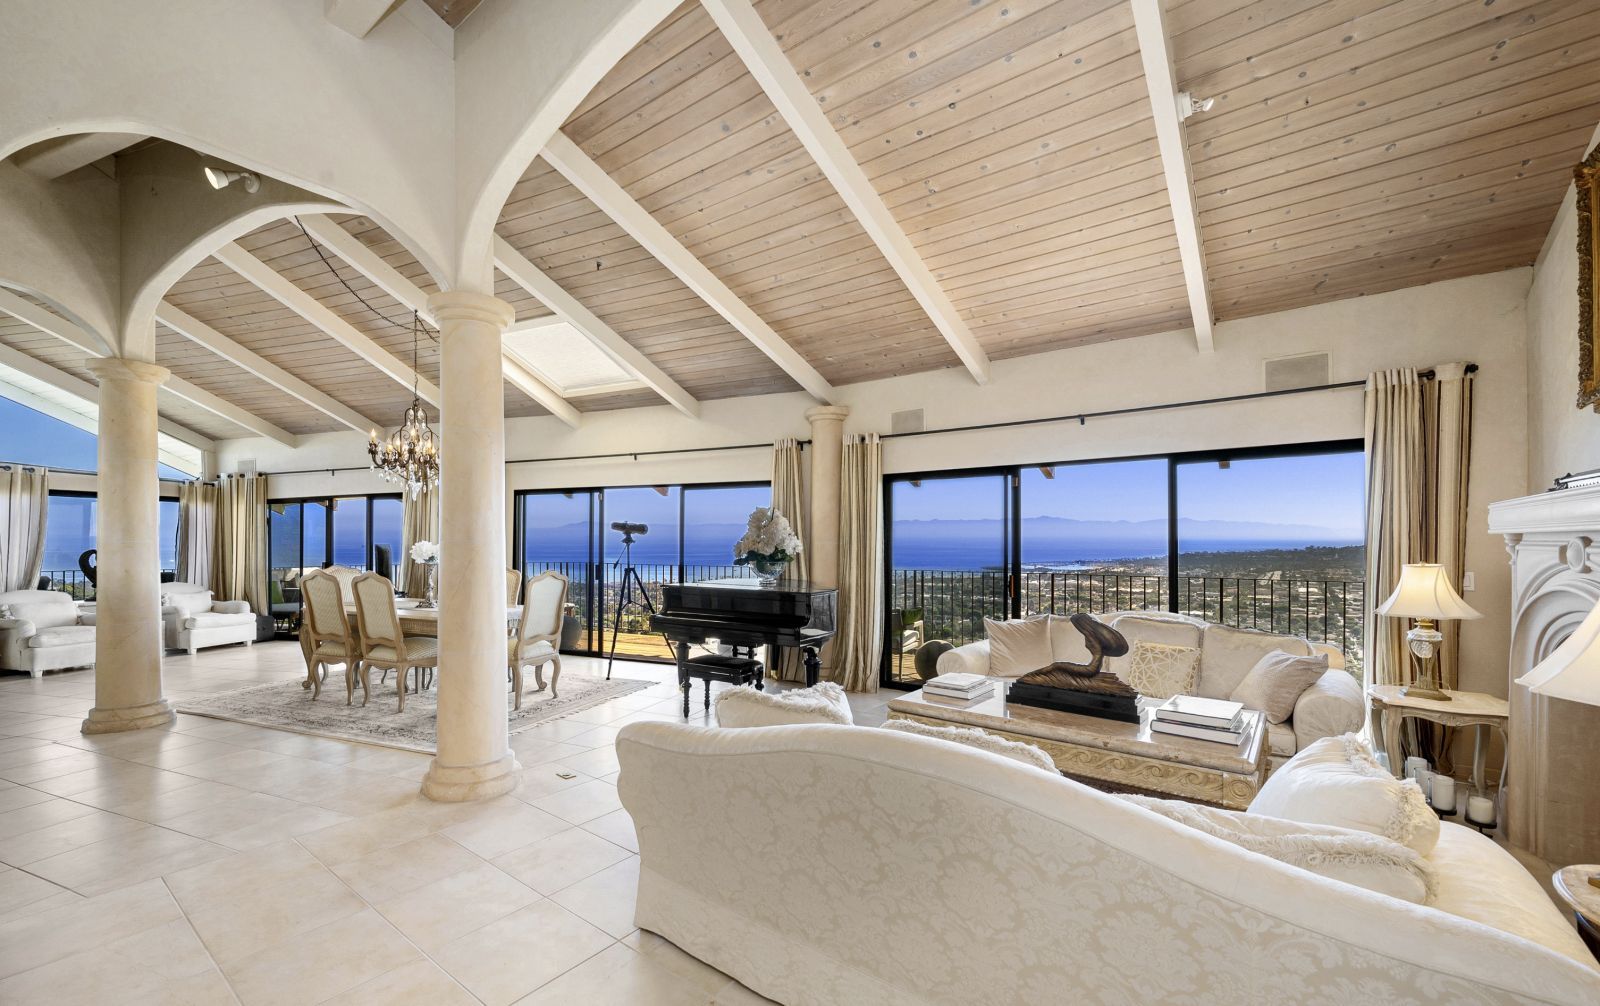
[(247, 466), (909, 421), (1308, 370)]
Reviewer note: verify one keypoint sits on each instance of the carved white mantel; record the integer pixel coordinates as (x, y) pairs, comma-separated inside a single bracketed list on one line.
[(1553, 790)]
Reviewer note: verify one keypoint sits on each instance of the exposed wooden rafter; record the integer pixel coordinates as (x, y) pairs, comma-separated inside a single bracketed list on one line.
[(765, 59), (525, 274), (593, 182), (227, 410), (1155, 51)]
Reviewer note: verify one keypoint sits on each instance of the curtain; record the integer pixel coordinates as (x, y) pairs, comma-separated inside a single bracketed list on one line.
[(1448, 435), (860, 640), (24, 502), (197, 531), (239, 570), (788, 496), (419, 522)]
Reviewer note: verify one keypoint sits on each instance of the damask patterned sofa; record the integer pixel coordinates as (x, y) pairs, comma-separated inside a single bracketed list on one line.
[(842, 864)]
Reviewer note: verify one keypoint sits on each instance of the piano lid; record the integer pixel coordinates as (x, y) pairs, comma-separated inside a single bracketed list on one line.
[(753, 585)]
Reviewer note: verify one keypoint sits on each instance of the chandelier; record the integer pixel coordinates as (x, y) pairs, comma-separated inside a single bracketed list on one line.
[(411, 453)]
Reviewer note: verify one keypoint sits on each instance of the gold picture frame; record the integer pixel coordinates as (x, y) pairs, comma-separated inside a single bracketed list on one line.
[(1587, 177)]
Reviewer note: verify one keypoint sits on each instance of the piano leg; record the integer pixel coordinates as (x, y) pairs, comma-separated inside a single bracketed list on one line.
[(683, 676), (813, 665)]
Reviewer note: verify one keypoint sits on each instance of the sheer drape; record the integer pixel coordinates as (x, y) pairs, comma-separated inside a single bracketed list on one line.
[(788, 496), (859, 645), (24, 501), (197, 531), (419, 522), (239, 569)]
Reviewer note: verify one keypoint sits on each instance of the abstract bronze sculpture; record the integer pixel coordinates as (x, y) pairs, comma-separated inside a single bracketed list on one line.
[(1082, 688)]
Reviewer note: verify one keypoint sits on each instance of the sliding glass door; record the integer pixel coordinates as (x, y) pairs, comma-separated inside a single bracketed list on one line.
[(309, 534), (556, 531)]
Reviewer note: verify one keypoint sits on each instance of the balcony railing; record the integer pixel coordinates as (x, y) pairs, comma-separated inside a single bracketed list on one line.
[(75, 583), (955, 602)]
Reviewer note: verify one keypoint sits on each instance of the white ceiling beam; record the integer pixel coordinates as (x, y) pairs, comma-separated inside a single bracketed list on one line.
[(227, 410), (279, 288), (204, 335), (1155, 50), (388, 279), (531, 278), (50, 159), (763, 56), (358, 17), (50, 323), (587, 176)]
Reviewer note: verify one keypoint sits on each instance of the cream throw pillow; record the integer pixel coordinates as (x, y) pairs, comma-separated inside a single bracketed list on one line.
[(1343, 854), (1337, 781), (746, 707), (1161, 670), (1276, 682), (1018, 646), (1028, 754)]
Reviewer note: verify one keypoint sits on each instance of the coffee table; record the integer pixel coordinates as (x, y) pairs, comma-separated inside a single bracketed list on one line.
[(1113, 755)]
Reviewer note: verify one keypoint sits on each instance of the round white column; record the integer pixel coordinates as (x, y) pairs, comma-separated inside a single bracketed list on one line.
[(827, 450), (474, 760), (128, 643)]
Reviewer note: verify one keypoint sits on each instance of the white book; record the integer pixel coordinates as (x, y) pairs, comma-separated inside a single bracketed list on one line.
[(1217, 734), (960, 681), (1200, 711), (941, 699), (963, 695)]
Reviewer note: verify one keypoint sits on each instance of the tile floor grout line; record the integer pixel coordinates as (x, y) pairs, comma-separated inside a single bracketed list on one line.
[(205, 947)]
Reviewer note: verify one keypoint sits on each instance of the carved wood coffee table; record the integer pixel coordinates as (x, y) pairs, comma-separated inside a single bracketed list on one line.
[(1113, 755)]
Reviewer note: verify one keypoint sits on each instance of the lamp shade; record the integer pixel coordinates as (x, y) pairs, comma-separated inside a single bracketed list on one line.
[(1572, 670), (1424, 591)]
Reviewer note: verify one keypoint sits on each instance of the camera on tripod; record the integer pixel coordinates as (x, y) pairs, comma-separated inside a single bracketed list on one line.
[(629, 530)]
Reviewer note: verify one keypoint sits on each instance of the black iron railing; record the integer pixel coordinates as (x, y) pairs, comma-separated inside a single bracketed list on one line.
[(75, 583), (596, 589)]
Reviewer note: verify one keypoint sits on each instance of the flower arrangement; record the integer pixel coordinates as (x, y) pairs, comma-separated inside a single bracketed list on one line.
[(768, 539), (425, 552)]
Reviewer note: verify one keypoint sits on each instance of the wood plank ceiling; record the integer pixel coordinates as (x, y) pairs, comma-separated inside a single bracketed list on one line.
[(1355, 146)]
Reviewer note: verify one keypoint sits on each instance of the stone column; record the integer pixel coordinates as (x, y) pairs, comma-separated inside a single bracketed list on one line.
[(827, 448), (474, 760), (128, 643)]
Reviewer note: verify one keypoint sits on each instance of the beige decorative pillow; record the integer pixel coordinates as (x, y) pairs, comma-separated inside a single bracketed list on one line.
[(1160, 670), (1028, 754), (1338, 781), (745, 707), (1275, 683), (1018, 646)]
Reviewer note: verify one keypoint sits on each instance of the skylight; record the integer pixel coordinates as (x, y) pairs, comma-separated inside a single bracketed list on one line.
[(565, 358)]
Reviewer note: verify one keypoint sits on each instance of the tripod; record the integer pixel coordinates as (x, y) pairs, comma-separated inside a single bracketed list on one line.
[(630, 580)]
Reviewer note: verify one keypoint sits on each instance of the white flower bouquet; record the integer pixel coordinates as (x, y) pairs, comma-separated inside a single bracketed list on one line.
[(768, 540), (425, 552)]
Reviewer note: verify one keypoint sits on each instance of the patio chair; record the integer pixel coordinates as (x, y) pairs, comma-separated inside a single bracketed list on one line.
[(538, 637), (384, 644), (325, 630)]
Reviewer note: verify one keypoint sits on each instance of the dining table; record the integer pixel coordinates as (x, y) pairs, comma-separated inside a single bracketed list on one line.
[(414, 621)]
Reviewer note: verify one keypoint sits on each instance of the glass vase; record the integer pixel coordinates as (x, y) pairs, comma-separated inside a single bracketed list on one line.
[(768, 571)]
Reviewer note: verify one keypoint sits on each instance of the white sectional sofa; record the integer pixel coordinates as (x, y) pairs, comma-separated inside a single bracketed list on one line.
[(841, 864), (194, 621), (40, 630), (1331, 707)]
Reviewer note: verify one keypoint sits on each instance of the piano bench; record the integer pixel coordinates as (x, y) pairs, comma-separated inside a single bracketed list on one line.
[(734, 670)]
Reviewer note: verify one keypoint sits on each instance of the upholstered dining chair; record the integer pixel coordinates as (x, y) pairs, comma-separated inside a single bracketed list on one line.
[(538, 637), (384, 644), (513, 587), (326, 631)]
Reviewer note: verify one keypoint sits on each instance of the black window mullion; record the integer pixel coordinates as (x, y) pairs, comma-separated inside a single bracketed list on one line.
[(1172, 534)]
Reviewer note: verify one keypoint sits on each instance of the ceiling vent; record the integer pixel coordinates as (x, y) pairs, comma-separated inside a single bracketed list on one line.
[(909, 421), (1308, 370)]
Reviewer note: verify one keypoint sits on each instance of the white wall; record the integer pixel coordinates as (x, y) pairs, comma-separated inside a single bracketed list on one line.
[(1561, 438), (1479, 319)]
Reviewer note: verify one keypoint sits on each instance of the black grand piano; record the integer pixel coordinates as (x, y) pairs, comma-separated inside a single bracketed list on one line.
[(740, 613)]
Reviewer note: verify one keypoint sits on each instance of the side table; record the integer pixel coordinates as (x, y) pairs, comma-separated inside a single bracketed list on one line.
[(1390, 705), (1572, 884)]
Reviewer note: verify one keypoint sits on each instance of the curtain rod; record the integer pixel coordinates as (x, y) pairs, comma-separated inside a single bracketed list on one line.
[(765, 445), (54, 470)]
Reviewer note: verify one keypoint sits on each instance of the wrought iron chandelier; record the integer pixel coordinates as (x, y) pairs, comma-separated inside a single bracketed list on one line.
[(411, 453)]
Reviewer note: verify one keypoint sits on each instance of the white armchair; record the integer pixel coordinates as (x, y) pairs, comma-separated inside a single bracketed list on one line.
[(193, 620), (40, 631)]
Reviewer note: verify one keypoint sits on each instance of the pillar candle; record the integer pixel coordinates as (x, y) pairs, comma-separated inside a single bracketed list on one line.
[(1444, 794)]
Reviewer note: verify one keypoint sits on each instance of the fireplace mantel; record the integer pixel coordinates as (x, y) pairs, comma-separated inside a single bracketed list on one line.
[(1553, 791)]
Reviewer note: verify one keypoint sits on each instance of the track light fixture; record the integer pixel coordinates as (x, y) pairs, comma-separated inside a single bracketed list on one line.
[(1188, 105), (221, 178)]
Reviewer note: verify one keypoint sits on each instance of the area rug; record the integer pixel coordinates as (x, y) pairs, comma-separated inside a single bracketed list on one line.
[(286, 706)]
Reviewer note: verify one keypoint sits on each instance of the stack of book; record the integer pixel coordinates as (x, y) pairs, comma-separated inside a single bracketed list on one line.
[(1206, 719), (961, 687)]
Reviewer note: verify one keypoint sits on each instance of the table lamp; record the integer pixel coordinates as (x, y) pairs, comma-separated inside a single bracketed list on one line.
[(1424, 593)]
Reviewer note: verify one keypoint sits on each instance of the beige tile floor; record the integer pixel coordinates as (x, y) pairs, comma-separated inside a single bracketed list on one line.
[(221, 863)]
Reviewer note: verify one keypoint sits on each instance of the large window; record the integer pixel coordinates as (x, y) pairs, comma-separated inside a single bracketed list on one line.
[(69, 531), (310, 534), (33, 438), (1259, 538), (691, 537)]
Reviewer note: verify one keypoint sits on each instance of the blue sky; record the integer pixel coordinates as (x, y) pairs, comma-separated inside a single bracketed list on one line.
[(34, 438)]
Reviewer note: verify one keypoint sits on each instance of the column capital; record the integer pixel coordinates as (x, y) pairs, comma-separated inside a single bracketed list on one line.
[(117, 368), (827, 413), (465, 305)]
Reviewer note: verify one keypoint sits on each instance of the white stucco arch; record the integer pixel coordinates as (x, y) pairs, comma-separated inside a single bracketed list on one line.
[(521, 69), (367, 122), (59, 243)]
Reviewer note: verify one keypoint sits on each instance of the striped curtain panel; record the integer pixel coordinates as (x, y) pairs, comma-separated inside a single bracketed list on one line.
[(239, 569), (788, 496), (24, 502), (859, 645), (197, 531), (1395, 507), (419, 522)]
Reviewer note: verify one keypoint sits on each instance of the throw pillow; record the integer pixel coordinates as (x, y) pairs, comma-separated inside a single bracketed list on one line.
[(1028, 754), (5, 611), (1276, 682), (1018, 645), (1161, 670), (746, 707), (1337, 781), (1343, 854)]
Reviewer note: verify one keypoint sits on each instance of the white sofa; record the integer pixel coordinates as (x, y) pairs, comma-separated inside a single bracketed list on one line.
[(839, 864), (193, 620), (40, 630), (1331, 707)]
